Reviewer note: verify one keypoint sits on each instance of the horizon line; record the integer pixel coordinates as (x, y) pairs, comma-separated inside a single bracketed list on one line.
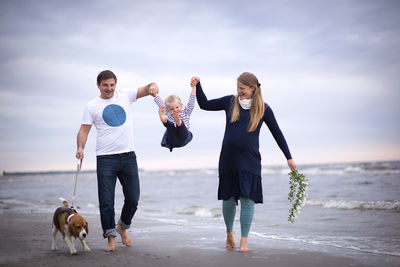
[(38, 172)]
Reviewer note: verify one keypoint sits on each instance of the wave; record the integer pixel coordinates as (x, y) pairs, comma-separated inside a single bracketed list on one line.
[(181, 173), (354, 204), (12, 205), (199, 211), (365, 244), (27, 173), (178, 222), (373, 168)]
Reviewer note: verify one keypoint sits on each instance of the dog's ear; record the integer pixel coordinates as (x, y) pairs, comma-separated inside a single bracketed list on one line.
[(72, 226), (86, 227), (72, 230)]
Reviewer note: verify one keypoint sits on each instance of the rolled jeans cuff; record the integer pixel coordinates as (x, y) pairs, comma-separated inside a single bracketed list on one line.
[(123, 225), (109, 232)]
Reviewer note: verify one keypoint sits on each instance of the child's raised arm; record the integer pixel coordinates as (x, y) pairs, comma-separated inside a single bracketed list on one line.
[(192, 98), (193, 90), (193, 83), (157, 99)]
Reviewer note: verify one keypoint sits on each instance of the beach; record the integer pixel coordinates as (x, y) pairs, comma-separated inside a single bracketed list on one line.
[(351, 218), (26, 241)]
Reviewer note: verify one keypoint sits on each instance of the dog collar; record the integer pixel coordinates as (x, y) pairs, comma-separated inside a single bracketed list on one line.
[(69, 217)]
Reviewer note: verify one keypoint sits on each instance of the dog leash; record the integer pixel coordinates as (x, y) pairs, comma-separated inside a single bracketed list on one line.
[(78, 168)]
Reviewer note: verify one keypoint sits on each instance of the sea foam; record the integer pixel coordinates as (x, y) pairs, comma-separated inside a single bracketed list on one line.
[(354, 204)]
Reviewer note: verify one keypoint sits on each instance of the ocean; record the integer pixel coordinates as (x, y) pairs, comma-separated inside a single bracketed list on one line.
[(353, 208)]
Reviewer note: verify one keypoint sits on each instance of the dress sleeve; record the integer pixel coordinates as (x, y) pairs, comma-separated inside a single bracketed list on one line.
[(214, 104), (269, 119)]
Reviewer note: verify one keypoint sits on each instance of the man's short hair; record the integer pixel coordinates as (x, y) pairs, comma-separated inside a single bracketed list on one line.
[(105, 75)]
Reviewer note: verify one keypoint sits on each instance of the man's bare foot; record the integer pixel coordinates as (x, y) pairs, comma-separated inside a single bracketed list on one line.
[(161, 113), (177, 119), (243, 245), (111, 244), (230, 240), (126, 240)]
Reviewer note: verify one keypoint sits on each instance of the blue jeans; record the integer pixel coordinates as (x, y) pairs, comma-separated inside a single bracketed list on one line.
[(109, 168)]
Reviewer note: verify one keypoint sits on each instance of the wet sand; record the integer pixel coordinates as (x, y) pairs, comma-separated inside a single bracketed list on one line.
[(26, 241)]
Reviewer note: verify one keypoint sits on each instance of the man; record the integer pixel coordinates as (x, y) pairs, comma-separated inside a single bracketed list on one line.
[(111, 114)]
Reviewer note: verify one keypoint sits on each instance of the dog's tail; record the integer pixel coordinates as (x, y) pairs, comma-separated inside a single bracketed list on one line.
[(64, 201)]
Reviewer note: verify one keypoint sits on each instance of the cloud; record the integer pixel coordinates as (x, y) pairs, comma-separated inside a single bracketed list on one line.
[(328, 69)]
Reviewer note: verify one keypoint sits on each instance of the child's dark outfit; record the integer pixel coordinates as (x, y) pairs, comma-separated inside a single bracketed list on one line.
[(177, 136)]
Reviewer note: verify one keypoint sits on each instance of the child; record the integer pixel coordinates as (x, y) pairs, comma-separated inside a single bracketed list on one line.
[(175, 119)]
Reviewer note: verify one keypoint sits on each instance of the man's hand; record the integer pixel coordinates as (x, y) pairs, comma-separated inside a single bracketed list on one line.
[(152, 89), (79, 154)]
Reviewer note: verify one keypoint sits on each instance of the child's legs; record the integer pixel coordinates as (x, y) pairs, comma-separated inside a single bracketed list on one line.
[(246, 215), (229, 212), (176, 135), (182, 133)]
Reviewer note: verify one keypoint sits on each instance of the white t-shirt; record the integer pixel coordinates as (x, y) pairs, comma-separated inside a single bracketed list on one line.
[(113, 121)]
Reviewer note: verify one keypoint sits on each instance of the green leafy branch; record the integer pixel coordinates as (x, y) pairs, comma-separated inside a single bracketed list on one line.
[(297, 193)]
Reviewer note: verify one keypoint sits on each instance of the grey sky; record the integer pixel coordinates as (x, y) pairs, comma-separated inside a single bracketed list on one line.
[(328, 69)]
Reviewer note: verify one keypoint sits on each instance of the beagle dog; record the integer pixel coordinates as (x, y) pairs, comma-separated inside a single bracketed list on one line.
[(70, 224)]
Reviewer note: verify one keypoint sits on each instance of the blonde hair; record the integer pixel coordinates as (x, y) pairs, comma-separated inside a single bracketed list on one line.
[(172, 99), (257, 103)]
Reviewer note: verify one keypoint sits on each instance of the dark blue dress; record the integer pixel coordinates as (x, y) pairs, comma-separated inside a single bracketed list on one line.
[(239, 166)]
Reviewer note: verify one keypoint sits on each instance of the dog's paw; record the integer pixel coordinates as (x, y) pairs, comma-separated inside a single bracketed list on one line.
[(86, 249), (73, 251), (54, 248)]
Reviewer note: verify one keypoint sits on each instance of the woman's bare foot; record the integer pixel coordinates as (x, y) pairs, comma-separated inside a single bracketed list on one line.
[(161, 113), (111, 244), (126, 240), (177, 119), (243, 245), (230, 240)]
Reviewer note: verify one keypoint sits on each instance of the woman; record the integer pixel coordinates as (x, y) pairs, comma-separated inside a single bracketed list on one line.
[(240, 160)]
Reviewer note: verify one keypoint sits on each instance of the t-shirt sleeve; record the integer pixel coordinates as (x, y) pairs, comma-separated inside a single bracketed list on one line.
[(87, 117), (132, 94)]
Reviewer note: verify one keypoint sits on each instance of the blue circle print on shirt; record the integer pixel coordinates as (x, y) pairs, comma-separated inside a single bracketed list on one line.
[(114, 115)]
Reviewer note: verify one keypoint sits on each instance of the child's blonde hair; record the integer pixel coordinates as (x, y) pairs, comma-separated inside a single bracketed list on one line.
[(172, 99), (257, 106)]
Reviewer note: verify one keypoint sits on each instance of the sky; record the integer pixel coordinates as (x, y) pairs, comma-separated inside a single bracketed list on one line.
[(330, 71)]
